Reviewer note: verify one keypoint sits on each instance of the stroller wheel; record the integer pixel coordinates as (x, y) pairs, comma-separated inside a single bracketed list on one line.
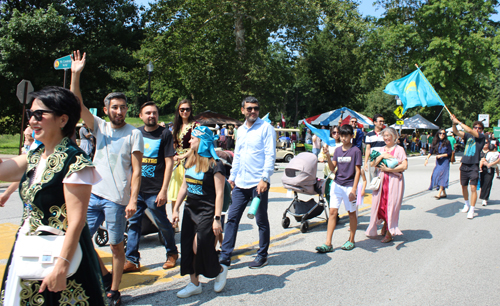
[(101, 237), (304, 227), (285, 222)]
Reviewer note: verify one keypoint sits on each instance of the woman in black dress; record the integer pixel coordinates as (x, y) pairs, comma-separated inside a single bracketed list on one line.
[(204, 187)]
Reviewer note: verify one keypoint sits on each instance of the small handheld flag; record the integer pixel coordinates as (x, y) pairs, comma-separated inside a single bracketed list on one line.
[(324, 135)]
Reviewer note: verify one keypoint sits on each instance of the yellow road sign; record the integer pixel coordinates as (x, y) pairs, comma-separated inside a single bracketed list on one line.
[(400, 122), (399, 112)]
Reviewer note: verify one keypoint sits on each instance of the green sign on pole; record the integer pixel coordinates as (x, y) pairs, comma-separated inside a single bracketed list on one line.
[(496, 132), (63, 63)]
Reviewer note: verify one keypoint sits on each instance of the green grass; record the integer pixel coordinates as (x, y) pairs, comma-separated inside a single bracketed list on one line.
[(9, 144)]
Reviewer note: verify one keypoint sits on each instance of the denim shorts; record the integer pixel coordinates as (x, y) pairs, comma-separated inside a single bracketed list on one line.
[(101, 210)]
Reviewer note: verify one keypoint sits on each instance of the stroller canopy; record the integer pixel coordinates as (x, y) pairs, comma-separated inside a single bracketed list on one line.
[(300, 173)]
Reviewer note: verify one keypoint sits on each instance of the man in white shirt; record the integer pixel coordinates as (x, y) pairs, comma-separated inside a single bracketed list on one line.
[(118, 159), (253, 165)]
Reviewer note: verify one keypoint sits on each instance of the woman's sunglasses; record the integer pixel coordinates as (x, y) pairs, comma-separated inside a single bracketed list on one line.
[(38, 114), (182, 110)]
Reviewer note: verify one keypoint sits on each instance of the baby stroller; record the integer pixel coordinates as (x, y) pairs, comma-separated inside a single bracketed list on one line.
[(300, 176)]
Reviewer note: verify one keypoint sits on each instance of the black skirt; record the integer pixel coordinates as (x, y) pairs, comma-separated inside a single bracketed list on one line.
[(198, 220)]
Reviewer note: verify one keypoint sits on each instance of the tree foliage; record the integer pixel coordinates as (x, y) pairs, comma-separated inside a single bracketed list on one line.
[(299, 58)]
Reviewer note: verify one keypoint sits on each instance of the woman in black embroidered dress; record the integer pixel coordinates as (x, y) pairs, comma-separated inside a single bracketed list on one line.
[(56, 181)]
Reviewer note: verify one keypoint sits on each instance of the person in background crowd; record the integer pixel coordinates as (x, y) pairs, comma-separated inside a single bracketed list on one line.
[(441, 174), (156, 173), (469, 169), (386, 201), (316, 145), (230, 138), (201, 223), (308, 138), (119, 159), (488, 165), (453, 144), (357, 139), (86, 140), (29, 144), (183, 126), (423, 141)]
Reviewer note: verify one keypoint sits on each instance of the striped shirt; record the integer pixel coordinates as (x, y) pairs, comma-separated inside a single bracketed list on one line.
[(374, 140)]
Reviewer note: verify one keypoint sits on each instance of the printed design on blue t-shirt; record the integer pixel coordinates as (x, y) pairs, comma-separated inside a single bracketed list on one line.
[(194, 181), (470, 147), (150, 156)]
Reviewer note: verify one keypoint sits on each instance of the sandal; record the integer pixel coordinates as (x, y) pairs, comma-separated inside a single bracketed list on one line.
[(324, 249), (348, 246), (386, 239), (383, 231)]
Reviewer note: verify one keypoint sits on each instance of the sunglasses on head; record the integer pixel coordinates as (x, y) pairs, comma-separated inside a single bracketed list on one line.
[(182, 110), (250, 109), (38, 114)]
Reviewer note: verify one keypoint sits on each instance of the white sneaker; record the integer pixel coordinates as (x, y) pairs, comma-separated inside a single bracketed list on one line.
[(485, 202), (220, 280), (470, 215), (466, 208), (189, 290)]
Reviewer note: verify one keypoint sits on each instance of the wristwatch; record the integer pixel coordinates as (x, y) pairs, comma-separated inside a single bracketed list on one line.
[(265, 179), (217, 218)]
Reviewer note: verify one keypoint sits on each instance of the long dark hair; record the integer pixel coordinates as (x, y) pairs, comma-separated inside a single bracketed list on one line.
[(437, 140), (178, 118)]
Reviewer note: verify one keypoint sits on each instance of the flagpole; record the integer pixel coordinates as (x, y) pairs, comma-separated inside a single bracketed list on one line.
[(443, 101)]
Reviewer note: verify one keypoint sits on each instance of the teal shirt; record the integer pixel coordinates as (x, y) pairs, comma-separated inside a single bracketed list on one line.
[(452, 142)]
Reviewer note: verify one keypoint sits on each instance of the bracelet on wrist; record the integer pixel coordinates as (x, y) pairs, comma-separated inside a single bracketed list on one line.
[(60, 257)]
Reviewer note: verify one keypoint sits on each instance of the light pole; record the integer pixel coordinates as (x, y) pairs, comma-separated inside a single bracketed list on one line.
[(150, 69)]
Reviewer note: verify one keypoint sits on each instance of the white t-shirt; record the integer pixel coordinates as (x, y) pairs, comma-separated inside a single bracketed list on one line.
[(492, 157), (113, 159)]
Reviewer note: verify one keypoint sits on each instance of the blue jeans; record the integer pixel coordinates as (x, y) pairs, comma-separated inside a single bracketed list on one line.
[(101, 209), (240, 199), (144, 201)]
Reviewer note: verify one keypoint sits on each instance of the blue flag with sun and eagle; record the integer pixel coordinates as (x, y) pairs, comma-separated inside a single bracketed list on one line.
[(414, 90)]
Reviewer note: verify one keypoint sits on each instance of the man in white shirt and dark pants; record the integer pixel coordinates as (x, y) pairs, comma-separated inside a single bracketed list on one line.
[(253, 165)]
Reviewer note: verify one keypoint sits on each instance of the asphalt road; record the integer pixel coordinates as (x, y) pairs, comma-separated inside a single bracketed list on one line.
[(442, 259)]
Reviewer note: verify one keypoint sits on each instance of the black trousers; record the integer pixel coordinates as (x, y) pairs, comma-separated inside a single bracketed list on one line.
[(487, 176)]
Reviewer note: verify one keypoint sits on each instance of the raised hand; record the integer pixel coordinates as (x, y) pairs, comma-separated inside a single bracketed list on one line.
[(78, 61)]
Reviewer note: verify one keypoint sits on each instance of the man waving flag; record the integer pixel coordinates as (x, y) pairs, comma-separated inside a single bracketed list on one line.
[(414, 90)]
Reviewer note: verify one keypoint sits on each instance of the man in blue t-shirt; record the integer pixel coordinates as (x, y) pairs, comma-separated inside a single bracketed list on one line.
[(357, 138), (469, 169), (156, 172)]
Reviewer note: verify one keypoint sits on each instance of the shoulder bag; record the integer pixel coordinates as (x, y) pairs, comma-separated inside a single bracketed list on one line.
[(36, 255)]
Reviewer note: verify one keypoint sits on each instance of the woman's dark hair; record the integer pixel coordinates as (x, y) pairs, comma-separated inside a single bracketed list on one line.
[(178, 119), (437, 140), (492, 147), (62, 102), (332, 128)]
